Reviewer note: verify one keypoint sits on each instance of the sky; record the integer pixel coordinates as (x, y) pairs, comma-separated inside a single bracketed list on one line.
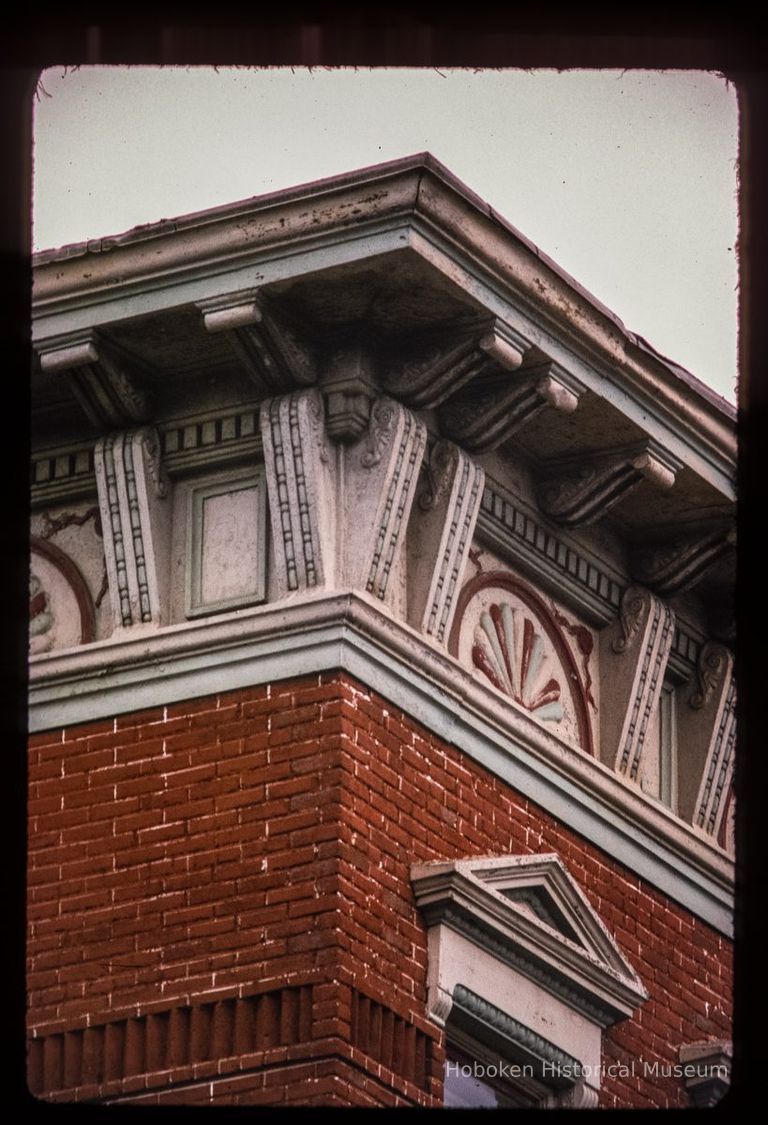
[(628, 179)]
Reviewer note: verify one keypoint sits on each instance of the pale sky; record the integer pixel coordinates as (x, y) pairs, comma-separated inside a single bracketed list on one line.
[(628, 179)]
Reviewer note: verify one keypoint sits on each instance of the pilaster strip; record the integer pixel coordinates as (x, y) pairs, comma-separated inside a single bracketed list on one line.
[(300, 499), (401, 484), (720, 765), (459, 539), (648, 687), (127, 470), (114, 544)]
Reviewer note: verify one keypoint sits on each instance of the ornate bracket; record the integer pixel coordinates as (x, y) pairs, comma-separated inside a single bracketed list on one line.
[(430, 380), (102, 377), (670, 568), (583, 492), (268, 349), (443, 522), (301, 490), (485, 421), (707, 736), (634, 652), (134, 518)]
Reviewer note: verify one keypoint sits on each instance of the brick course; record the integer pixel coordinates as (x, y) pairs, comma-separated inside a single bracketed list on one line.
[(261, 840)]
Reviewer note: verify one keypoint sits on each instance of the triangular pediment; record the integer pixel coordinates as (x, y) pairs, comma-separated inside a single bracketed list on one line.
[(532, 914)]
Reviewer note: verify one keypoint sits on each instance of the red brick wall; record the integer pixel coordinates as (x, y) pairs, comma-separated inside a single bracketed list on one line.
[(220, 890)]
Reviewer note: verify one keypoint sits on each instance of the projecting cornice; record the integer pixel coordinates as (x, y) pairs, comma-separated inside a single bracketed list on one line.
[(413, 205)]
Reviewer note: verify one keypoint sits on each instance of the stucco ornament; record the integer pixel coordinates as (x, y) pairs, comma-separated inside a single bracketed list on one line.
[(512, 643)]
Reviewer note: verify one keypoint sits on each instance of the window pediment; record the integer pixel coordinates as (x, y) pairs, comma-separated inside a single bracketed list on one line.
[(529, 914)]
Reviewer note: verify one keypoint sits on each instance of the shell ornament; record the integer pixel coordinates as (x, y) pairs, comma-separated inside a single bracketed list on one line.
[(511, 653)]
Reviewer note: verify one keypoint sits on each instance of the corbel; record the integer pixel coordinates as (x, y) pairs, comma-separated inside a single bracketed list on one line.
[(706, 723), (271, 353), (582, 490), (429, 380), (104, 379), (378, 479), (300, 483), (634, 650), (485, 419), (672, 567), (134, 505), (442, 525), (706, 1070)]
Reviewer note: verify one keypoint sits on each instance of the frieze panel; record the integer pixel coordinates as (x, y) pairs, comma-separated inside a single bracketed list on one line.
[(61, 610), (509, 637), (70, 539)]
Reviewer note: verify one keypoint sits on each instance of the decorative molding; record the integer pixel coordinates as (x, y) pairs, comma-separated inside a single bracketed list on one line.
[(580, 1096), (579, 962), (428, 381), (540, 995), (211, 440), (634, 655), (442, 524), (567, 571), (133, 502), (42, 615), (719, 768), (390, 1039), (348, 630), (380, 478), (486, 1021), (235, 536), (105, 1050), (584, 491), (63, 474), (511, 663), (482, 422), (102, 376), (584, 644), (714, 661), (632, 611), (707, 737), (301, 490), (671, 568), (706, 1069), (271, 353)]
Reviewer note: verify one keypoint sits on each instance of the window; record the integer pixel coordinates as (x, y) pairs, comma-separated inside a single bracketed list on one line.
[(523, 972)]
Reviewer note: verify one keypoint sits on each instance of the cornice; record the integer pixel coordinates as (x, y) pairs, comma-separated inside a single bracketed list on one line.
[(148, 666), (406, 198)]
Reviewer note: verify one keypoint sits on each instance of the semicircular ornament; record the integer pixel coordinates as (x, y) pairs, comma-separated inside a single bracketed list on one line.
[(507, 636), (61, 612), (512, 653)]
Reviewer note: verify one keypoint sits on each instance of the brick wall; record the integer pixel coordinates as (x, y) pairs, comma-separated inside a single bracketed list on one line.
[(220, 905)]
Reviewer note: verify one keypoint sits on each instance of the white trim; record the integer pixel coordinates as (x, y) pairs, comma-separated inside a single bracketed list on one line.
[(146, 667)]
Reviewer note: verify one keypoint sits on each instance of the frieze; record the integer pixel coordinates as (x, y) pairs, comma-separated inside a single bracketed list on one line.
[(61, 610), (505, 632)]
